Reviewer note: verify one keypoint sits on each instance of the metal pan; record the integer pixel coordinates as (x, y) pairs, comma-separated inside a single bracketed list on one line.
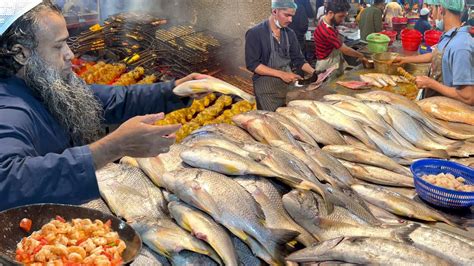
[(40, 214)]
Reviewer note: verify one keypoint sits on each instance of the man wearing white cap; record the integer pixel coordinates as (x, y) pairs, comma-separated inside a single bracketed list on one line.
[(452, 60), (271, 48), (422, 24), (50, 119)]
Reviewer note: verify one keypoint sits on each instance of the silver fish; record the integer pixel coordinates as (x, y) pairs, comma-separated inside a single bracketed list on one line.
[(270, 200), (394, 150), (411, 108), (378, 175), (365, 156), (341, 122), (229, 163), (398, 204), (297, 132), (188, 258), (210, 85), (357, 106), (129, 193), (230, 131), (319, 130), (155, 167), (368, 251), (216, 194), (333, 166), (205, 228), (412, 131), (205, 138)]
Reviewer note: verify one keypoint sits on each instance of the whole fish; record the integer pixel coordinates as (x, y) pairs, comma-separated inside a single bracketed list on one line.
[(272, 206), (378, 175), (188, 258), (214, 140), (367, 251), (319, 130), (229, 131), (210, 85), (167, 239), (457, 249), (270, 131), (332, 165), (340, 121), (394, 150), (217, 195), (280, 161), (305, 206), (329, 229), (365, 156), (448, 109), (129, 193), (411, 108), (155, 167), (412, 131), (360, 118), (357, 106), (297, 132), (229, 163), (398, 204), (205, 228), (264, 129)]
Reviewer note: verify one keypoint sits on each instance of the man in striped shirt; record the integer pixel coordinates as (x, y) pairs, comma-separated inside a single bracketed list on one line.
[(329, 45)]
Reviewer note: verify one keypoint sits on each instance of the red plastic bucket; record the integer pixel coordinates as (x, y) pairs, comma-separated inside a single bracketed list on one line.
[(432, 37), (391, 34), (411, 39)]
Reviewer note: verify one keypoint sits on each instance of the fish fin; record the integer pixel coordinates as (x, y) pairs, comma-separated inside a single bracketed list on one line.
[(201, 199), (321, 191), (282, 236), (238, 233), (402, 234), (440, 154)]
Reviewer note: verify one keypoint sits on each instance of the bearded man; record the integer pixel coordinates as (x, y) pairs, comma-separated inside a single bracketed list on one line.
[(50, 119)]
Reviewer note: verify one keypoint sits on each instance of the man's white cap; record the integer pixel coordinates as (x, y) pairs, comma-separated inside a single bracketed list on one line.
[(11, 10), (425, 11)]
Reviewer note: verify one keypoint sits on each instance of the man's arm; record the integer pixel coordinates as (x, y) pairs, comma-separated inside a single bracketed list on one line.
[(121, 103), (464, 94), (350, 52), (424, 58)]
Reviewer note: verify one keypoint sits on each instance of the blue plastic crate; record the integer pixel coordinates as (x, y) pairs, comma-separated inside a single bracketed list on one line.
[(439, 196)]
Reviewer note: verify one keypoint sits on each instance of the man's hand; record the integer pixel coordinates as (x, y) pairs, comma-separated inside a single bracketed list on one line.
[(137, 137), (400, 60), (364, 61), (192, 76), (289, 77), (424, 82)]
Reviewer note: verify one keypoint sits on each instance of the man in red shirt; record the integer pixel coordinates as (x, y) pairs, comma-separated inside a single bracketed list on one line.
[(329, 45)]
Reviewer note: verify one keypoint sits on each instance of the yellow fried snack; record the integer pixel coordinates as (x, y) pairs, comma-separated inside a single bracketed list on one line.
[(237, 108), (184, 115), (130, 77), (207, 114), (148, 79)]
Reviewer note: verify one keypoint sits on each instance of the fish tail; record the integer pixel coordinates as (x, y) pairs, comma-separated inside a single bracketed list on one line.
[(276, 241), (402, 234)]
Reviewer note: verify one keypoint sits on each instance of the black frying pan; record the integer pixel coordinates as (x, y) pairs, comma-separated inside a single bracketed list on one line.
[(40, 214)]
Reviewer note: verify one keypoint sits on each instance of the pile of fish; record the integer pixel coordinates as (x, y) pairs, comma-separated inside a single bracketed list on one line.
[(265, 191)]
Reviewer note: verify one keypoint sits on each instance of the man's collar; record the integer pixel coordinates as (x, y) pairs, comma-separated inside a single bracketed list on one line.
[(450, 32), (327, 24)]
